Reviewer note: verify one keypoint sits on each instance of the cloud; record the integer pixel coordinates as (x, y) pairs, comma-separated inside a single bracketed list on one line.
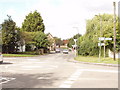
[(60, 16)]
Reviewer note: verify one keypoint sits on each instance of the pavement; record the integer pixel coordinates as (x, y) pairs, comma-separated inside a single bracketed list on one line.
[(55, 71)]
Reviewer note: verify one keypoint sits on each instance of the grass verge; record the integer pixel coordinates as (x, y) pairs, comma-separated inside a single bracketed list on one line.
[(18, 55), (91, 59)]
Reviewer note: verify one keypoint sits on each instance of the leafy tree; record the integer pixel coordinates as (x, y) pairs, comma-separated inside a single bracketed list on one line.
[(88, 42), (77, 36), (33, 22), (58, 41), (41, 40), (10, 36), (71, 42)]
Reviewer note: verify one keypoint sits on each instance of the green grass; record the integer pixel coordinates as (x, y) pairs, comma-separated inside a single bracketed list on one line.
[(91, 59), (18, 55)]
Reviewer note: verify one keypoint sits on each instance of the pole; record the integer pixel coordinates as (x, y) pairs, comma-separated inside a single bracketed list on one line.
[(104, 48), (114, 30), (100, 35), (76, 49)]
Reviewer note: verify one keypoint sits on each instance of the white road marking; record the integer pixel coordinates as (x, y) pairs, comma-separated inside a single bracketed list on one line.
[(31, 66), (33, 59), (71, 79), (68, 83), (7, 79), (10, 58), (43, 78)]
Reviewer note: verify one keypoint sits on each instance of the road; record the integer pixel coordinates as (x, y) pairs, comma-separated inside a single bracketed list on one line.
[(55, 71)]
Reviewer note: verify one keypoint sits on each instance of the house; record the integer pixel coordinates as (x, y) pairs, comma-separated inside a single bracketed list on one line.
[(21, 47), (65, 43), (52, 42)]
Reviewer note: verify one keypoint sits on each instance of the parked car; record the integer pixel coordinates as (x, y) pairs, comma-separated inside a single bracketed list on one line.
[(65, 51), (57, 50), (1, 58)]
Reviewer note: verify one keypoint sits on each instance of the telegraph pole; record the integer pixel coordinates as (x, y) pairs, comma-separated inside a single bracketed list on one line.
[(100, 35), (114, 29)]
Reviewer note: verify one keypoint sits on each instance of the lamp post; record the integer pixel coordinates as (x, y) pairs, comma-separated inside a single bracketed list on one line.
[(75, 40)]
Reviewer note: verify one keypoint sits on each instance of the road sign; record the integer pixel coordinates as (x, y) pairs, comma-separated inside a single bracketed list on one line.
[(74, 45), (101, 38), (101, 44), (75, 40), (108, 38)]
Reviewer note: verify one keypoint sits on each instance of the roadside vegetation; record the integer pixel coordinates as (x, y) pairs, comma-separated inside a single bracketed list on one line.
[(93, 59), (87, 45), (21, 54), (31, 34), (18, 55)]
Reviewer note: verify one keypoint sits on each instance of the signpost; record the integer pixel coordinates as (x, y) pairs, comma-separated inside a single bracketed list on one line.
[(75, 40), (101, 38), (103, 44)]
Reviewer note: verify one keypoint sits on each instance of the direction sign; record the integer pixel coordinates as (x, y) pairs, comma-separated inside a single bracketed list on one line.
[(75, 40), (108, 38), (101, 38), (101, 44)]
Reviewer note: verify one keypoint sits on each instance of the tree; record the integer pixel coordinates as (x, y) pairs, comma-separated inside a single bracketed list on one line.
[(33, 22), (88, 42), (10, 36), (58, 41), (71, 42), (77, 36), (41, 40)]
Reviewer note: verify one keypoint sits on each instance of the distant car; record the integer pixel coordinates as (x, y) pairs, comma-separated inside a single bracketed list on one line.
[(57, 50), (1, 58), (65, 51)]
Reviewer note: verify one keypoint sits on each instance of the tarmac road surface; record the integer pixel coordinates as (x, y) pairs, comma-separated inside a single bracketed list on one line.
[(55, 71)]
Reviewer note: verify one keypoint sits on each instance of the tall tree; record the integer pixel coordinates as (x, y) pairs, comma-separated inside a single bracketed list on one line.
[(88, 43), (10, 36), (33, 22)]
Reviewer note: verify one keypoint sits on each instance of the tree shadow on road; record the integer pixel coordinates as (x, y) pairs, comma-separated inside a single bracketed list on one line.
[(5, 63), (31, 81)]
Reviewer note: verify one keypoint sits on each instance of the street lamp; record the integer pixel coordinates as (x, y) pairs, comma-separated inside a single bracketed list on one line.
[(75, 40)]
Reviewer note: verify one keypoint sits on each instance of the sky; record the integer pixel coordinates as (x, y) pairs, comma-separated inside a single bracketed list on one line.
[(62, 18)]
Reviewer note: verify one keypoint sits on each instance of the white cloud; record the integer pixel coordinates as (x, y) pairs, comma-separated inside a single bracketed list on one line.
[(60, 16)]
